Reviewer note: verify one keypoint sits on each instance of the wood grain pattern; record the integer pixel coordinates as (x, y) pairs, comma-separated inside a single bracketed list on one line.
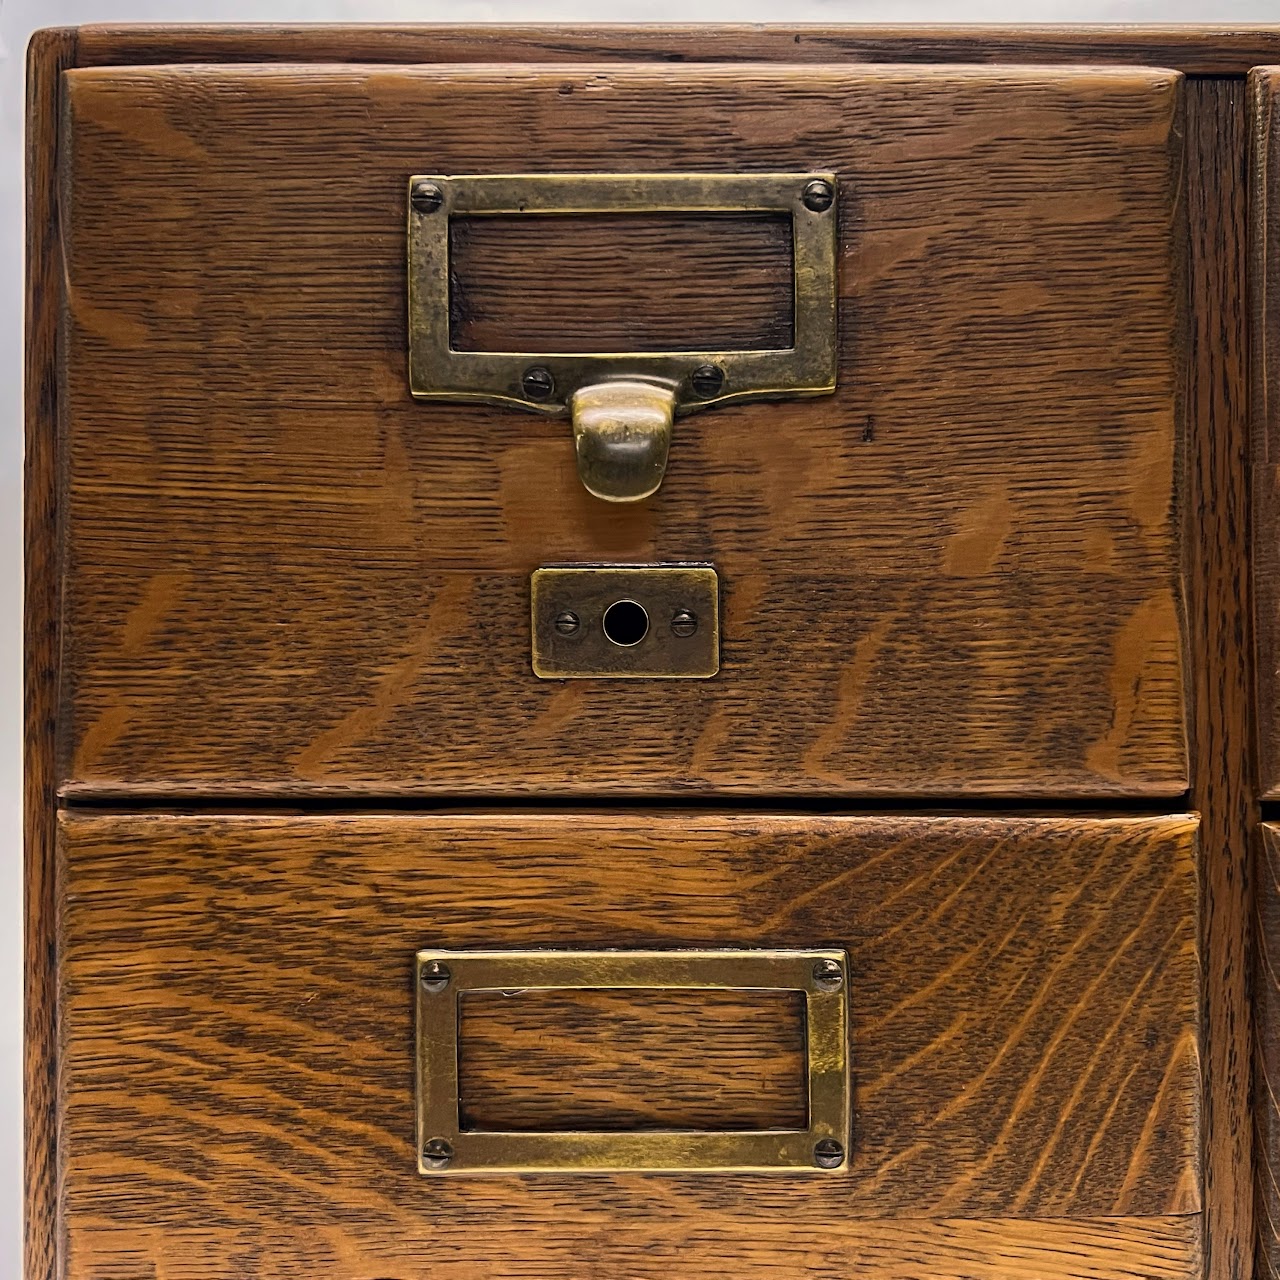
[(238, 1020), (1218, 595), (647, 282), (1200, 50), (547, 1060), (1266, 1004), (1264, 274), (591, 1245), (959, 575), (49, 53), (1264, 279)]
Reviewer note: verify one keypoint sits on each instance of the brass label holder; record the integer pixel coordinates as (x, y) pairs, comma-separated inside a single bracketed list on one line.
[(622, 404), (444, 1148)]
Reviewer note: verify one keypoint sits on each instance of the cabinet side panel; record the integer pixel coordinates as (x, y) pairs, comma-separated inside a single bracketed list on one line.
[(49, 54)]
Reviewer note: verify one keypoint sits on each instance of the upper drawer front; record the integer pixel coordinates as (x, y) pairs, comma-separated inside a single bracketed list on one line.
[(959, 573)]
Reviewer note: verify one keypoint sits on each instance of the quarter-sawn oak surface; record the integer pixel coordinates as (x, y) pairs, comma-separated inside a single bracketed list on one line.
[(1264, 263), (960, 574), (1215, 555), (238, 1013), (572, 1060), (1196, 50), (1217, 586)]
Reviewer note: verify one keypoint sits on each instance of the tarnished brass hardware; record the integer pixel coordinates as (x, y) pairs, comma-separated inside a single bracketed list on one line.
[(426, 196), (538, 384), (436, 1154), (434, 976), (684, 622), (828, 1153), (818, 195), (619, 435), (586, 622), (444, 1148), (622, 432)]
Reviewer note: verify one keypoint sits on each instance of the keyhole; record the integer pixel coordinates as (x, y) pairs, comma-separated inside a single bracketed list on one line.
[(626, 623)]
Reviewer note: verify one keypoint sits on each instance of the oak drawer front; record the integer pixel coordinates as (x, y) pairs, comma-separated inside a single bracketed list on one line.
[(237, 1014), (957, 574)]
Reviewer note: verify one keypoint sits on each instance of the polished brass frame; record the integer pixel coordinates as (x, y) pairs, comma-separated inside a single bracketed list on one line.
[(488, 1152), (437, 372)]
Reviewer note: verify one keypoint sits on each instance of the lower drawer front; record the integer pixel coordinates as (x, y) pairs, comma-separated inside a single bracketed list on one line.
[(238, 1017)]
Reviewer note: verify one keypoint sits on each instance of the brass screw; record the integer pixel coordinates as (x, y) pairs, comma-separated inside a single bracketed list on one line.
[(827, 975), (437, 1153), (567, 623), (828, 1154), (426, 197), (538, 383), (684, 622), (707, 380), (434, 975), (817, 196)]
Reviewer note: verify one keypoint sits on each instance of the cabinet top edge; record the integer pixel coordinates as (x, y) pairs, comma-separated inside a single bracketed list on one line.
[(1225, 50)]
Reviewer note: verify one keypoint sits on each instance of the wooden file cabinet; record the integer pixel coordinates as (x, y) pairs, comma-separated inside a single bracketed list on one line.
[(641, 654)]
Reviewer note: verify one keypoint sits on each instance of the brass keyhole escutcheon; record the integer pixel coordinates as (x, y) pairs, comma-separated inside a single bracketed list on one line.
[(628, 622)]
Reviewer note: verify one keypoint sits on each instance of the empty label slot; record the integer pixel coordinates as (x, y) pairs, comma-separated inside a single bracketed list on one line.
[(562, 1060), (621, 282)]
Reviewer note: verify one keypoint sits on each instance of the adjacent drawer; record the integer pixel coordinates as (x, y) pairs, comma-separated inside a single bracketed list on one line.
[(237, 1019), (1264, 262), (957, 574)]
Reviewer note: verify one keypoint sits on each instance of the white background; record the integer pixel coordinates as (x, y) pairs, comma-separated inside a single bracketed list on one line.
[(18, 18)]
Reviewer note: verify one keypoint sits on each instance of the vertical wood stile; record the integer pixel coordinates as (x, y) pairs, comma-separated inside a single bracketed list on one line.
[(50, 53), (1264, 261), (1219, 634)]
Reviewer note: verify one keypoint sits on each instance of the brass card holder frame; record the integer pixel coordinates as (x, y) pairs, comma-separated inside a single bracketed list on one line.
[(622, 404), (444, 1148)]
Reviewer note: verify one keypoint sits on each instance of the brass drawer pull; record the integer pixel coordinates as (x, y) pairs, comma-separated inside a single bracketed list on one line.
[(445, 1148), (622, 404)]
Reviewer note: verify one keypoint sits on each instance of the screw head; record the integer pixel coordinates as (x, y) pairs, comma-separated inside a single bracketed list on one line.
[(537, 383), (434, 975), (707, 380), (568, 623), (828, 975), (684, 622), (818, 195), (426, 197), (828, 1154), (436, 1153)]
